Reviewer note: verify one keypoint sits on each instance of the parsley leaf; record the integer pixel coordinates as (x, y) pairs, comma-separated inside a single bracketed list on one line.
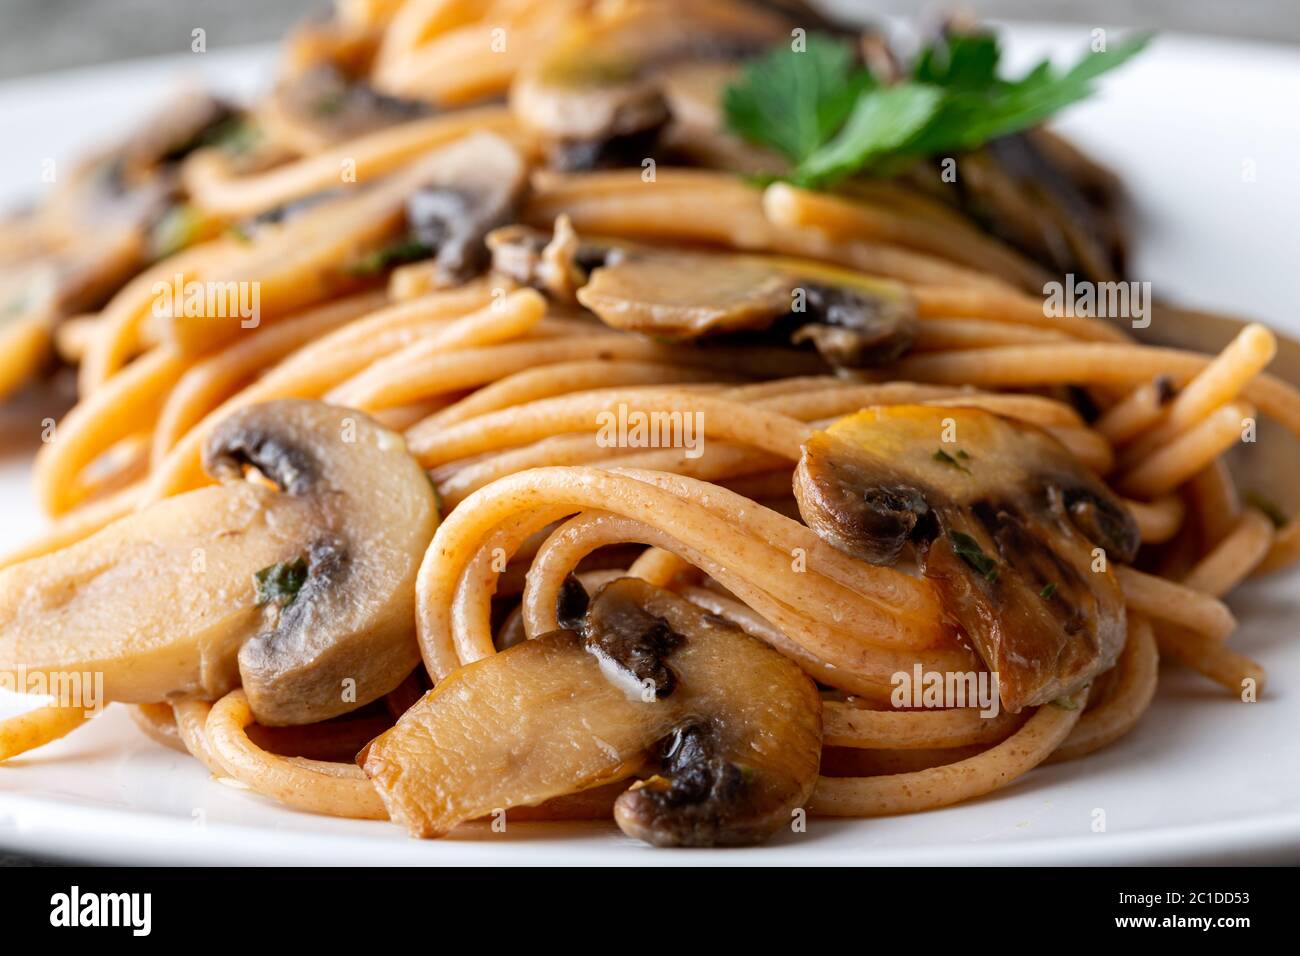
[(795, 101), (882, 122), (1048, 590), (832, 119), (971, 117), (969, 550), (966, 60), (396, 253), (234, 135), (180, 226), (280, 583), (947, 459)]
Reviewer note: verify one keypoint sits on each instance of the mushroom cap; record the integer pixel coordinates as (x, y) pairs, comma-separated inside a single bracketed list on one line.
[(568, 711), (474, 186), (683, 295), (1003, 519), (165, 602), (596, 96), (854, 321), (348, 637)]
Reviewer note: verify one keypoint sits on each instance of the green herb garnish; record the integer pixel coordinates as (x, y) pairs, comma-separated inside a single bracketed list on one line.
[(1048, 590), (403, 250), (330, 103), (234, 135), (1066, 703), (280, 583), (947, 459), (832, 119), (1270, 508), (181, 226), (969, 550)]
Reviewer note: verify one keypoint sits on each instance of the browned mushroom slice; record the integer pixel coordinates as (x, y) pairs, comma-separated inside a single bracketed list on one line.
[(729, 729), (684, 295), (854, 323), (1047, 202), (612, 118), (596, 98), (189, 121), (326, 105), (557, 264), (475, 189), (120, 209), (299, 585), (324, 94), (1004, 521), (469, 188)]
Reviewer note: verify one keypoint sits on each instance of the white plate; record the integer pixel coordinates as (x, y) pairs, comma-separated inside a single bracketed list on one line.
[(1203, 777)]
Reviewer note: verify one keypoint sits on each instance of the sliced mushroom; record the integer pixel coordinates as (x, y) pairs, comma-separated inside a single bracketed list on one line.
[(1027, 191), (323, 105), (476, 188), (557, 265), (189, 121), (324, 94), (104, 223), (600, 122), (727, 728), (131, 196), (297, 584), (853, 322), (1016, 192), (1001, 517), (1032, 190), (446, 208), (597, 98), (288, 211)]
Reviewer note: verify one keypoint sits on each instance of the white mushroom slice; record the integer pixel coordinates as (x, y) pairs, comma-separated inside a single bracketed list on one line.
[(727, 728), (299, 585), (683, 295), (854, 321)]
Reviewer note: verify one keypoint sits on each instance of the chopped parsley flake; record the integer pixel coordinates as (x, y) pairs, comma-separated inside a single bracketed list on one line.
[(969, 550), (280, 583)]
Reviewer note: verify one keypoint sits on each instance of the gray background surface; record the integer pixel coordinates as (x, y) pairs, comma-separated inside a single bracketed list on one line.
[(41, 35)]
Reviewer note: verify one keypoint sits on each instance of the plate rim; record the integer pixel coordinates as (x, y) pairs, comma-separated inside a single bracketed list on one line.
[(113, 835)]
